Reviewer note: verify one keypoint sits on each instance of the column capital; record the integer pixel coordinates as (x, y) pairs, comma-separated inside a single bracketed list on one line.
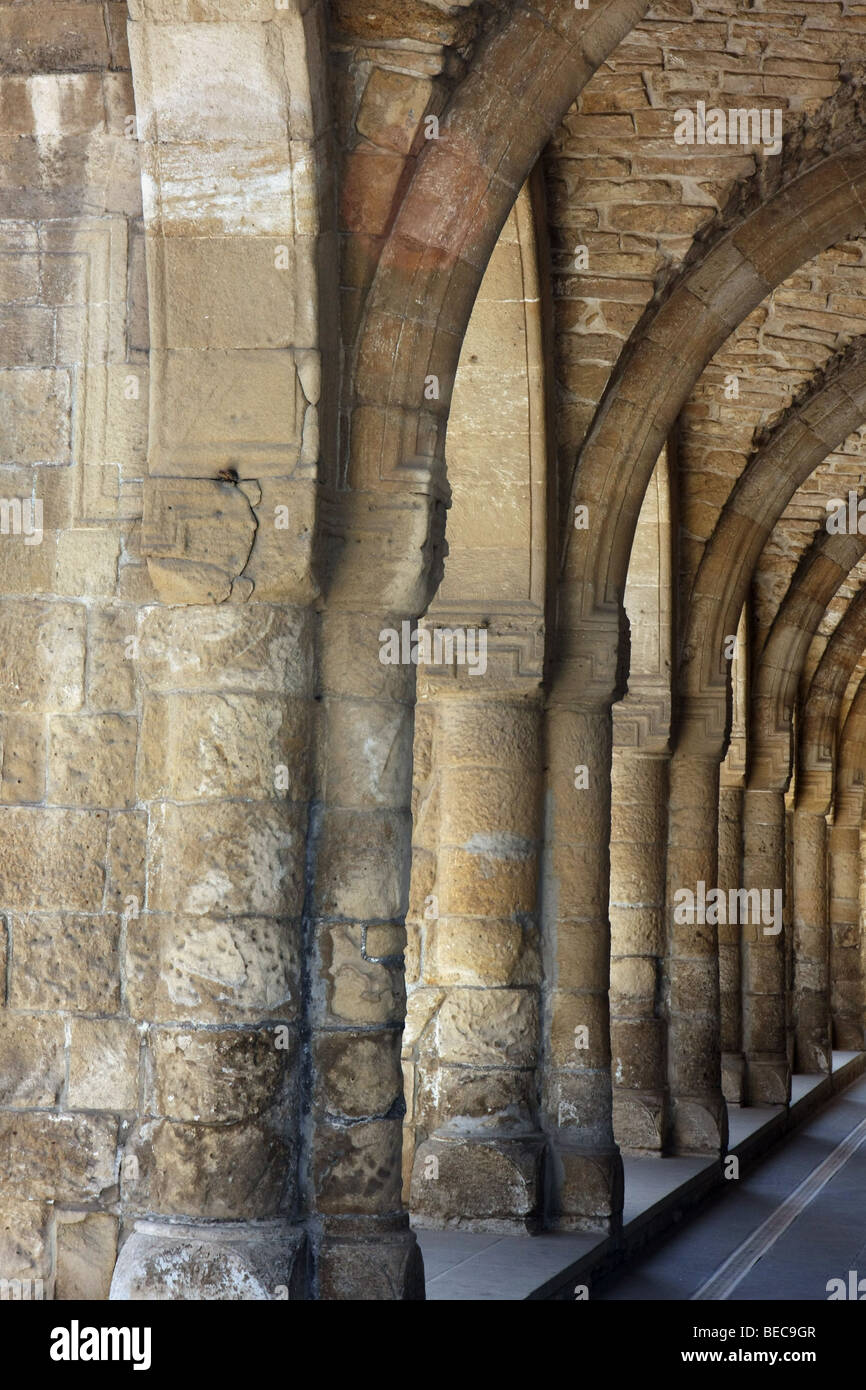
[(642, 718), (507, 649), (385, 549)]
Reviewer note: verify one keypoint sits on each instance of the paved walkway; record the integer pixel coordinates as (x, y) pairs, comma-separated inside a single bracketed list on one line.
[(782, 1232)]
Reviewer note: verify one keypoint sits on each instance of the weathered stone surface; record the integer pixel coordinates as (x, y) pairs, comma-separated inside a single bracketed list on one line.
[(380, 779), (86, 1255), (92, 760), (226, 858), (475, 951), (359, 1071), (235, 423), (103, 1064), (457, 1097), (166, 1262), (391, 108), (197, 535), (44, 642), (91, 553), (200, 969), (32, 1060), (259, 649), (362, 882), (110, 682), (281, 561), (255, 310), (68, 36), (358, 990), (127, 847), (219, 1077), (58, 1157), (201, 746), (357, 1167), (22, 759), (478, 1185), (250, 415), (221, 60), (373, 1270), (24, 1239), (35, 411), (590, 1189), (497, 1027), (65, 961), (228, 1172)]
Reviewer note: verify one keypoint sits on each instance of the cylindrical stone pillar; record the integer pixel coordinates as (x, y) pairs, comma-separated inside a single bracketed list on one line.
[(212, 969), (812, 1041), (357, 896), (846, 973), (765, 1046), (862, 923), (420, 1045), (637, 903), (479, 1160), (788, 934), (698, 1117), (730, 964), (586, 1188)]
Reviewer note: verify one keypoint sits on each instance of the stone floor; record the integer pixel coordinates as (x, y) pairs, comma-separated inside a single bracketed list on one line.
[(464, 1265)]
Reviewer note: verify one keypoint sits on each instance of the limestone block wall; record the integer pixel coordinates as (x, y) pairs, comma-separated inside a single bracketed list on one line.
[(73, 438), (239, 245), (159, 649)]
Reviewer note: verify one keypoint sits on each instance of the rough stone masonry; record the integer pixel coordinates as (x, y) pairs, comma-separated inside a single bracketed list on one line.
[(320, 320)]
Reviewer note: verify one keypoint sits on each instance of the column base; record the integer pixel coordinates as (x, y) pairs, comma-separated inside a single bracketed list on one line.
[(376, 1266), (166, 1261), (733, 1077), (848, 1035), (812, 1052), (638, 1121), (699, 1125), (474, 1182), (768, 1081), (584, 1189)]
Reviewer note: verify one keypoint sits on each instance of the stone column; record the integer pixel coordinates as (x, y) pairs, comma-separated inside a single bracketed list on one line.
[(862, 923), (732, 782), (811, 1002), (360, 855), (385, 551), (472, 1037), (846, 975), (213, 971), (788, 929), (225, 644), (698, 1120), (641, 736), (420, 1044), (767, 1072), (637, 903), (730, 964), (585, 1191)]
